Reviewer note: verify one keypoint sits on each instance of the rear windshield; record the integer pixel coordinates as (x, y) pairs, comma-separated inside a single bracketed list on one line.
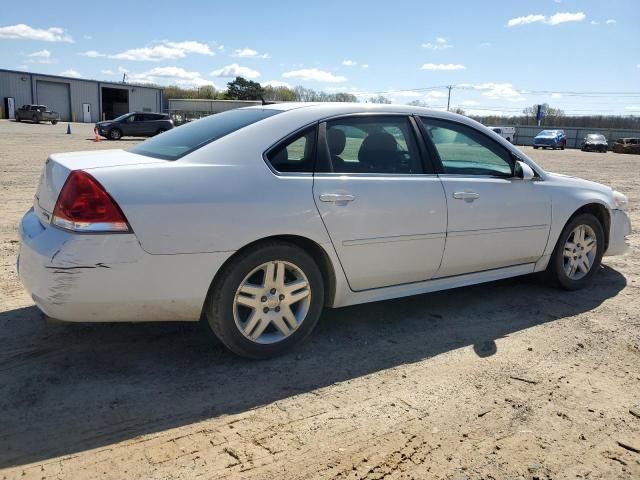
[(599, 138), (183, 140)]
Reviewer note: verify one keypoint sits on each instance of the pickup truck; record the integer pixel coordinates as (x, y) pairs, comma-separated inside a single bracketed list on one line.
[(37, 114)]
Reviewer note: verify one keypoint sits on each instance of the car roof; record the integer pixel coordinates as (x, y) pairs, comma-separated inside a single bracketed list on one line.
[(320, 110)]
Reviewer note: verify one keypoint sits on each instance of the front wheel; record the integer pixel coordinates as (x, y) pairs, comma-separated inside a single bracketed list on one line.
[(535, 148), (115, 134), (266, 301), (54, 122), (578, 253), (34, 119)]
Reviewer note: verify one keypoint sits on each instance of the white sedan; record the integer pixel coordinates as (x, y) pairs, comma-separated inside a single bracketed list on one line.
[(255, 219)]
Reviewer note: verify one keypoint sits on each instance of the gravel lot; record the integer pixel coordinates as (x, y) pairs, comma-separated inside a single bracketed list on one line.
[(504, 380)]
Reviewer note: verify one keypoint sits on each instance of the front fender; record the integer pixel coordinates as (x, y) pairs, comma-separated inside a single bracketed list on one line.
[(568, 196)]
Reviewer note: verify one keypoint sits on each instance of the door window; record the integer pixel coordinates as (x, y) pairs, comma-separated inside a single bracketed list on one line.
[(465, 151), (371, 145), (295, 154)]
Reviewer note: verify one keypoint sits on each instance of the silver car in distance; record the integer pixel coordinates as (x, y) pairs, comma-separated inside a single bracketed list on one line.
[(255, 219)]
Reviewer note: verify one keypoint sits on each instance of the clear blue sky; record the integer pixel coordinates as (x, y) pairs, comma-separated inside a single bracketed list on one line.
[(502, 55)]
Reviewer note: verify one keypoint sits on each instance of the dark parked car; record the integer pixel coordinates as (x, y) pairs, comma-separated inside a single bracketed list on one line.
[(627, 145), (36, 114), (550, 139), (594, 142), (137, 124)]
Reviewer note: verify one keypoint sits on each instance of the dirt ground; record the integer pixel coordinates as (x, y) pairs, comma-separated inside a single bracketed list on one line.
[(504, 380)]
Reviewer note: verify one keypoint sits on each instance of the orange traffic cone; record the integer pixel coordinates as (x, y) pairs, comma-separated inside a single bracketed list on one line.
[(95, 130)]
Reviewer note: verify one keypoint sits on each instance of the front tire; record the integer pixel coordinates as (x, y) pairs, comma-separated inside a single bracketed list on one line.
[(34, 119), (266, 301), (115, 134), (54, 122), (578, 253)]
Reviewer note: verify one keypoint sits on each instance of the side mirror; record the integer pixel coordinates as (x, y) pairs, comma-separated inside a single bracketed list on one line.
[(524, 171)]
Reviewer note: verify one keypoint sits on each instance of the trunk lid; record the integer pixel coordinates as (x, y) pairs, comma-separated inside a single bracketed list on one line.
[(59, 165)]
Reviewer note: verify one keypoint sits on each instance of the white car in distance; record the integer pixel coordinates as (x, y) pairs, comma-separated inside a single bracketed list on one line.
[(508, 133), (254, 220)]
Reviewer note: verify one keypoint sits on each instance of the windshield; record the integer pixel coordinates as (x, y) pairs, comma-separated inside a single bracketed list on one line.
[(121, 117), (180, 141), (596, 138)]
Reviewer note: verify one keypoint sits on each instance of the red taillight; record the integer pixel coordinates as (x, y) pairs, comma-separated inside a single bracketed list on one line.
[(85, 206)]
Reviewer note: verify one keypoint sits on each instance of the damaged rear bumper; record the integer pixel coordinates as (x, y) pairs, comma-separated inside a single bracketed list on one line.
[(109, 277)]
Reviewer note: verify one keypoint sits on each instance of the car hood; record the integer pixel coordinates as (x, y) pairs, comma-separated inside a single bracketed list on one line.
[(548, 136), (104, 124), (580, 183), (596, 142)]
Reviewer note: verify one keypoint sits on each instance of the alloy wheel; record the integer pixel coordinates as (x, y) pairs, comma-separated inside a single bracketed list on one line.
[(579, 252), (272, 302)]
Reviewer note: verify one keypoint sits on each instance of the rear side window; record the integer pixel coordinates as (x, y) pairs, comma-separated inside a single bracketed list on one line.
[(183, 140), (370, 144), (296, 154)]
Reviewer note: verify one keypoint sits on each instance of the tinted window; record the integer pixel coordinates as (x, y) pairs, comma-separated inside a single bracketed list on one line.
[(466, 151), (372, 145), (295, 154), (180, 141)]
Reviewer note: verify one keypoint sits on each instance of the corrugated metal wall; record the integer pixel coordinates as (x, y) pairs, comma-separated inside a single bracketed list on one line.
[(81, 91), (209, 106), (575, 135), (144, 100), (16, 85)]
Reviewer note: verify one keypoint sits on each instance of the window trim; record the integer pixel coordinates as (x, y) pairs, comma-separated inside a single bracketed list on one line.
[(434, 150), (284, 140), (323, 157)]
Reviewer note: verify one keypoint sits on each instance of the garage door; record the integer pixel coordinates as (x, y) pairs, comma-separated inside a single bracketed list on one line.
[(55, 95)]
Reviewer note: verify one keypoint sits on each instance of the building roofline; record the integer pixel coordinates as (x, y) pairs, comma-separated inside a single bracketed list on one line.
[(140, 85)]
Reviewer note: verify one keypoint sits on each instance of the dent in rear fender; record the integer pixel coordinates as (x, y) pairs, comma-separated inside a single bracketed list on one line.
[(76, 277)]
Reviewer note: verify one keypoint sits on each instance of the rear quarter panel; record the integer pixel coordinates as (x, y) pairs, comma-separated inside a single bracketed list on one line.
[(225, 199)]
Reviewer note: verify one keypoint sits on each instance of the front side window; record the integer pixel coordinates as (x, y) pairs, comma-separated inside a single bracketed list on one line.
[(465, 151), (295, 154), (187, 138), (372, 145)]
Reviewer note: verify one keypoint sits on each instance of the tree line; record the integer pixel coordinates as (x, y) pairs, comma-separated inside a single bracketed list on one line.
[(243, 89)]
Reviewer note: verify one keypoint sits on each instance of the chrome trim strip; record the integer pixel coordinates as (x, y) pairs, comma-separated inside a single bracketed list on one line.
[(398, 238)]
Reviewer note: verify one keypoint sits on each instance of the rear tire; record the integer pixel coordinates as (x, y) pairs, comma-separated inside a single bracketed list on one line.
[(161, 130), (535, 148), (53, 122), (567, 265), (257, 316)]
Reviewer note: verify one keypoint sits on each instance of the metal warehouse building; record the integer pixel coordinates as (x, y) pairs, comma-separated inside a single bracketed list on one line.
[(75, 99)]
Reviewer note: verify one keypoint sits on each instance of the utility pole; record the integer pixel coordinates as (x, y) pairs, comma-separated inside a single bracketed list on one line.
[(449, 98)]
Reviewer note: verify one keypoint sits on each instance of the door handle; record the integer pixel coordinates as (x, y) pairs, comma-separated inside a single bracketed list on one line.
[(466, 196), (336, 197)]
